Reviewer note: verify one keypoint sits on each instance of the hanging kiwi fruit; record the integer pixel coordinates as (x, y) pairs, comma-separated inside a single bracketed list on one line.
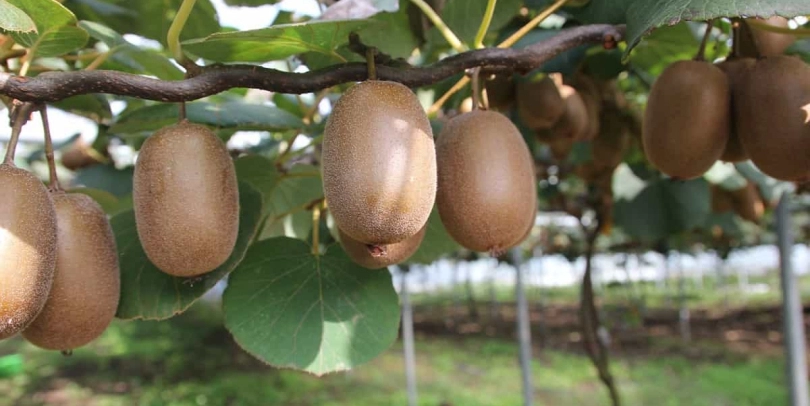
[(500, 90), (539, 101), (772, 114), (186, 200), (487, 188), (27, 239), (86, 288), (769, 43), (379, 163), (686, 123)]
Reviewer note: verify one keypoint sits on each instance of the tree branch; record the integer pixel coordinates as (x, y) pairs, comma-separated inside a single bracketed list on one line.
[(54, 86)]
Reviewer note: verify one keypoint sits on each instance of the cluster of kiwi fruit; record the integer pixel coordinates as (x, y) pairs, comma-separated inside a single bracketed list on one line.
[(746, 202), (739, 109), (58, 263), (58, 257), (383, 172)]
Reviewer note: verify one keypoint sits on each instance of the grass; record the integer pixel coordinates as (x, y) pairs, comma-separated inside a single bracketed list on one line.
[(190, 360)]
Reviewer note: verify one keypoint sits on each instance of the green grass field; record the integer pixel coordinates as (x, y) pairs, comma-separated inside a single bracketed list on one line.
[(190, 360)]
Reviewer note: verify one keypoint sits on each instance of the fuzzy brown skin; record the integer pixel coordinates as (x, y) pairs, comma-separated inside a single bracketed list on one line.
[(500, 92), (772, 43), (686, 123), (379, 163), (87, 285), (377, 257), (575, 122), (539, 103), (734, 70), (186, 200), (487, 186), (773, 116), (27, 248)]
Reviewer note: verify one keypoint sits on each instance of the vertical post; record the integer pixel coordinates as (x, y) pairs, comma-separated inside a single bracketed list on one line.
[(523, 328), (683, 313), (792, 313), (408, 340)]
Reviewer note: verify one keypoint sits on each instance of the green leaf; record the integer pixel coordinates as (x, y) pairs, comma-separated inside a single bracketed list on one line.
[(106, 177), (392, 34), (283, 193), (14, 19), (464, 16), (277, 42), (239, 115), (436, 244), (665, 46), (148, 18), (56, 32), (129, 55), (149, 294), (250, 3), (320, 314), (93, 106)]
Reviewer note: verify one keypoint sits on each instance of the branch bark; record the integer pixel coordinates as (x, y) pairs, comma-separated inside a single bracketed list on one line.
[(54, 86)]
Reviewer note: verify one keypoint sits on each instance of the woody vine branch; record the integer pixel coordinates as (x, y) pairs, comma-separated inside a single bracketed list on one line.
[(213, 79)]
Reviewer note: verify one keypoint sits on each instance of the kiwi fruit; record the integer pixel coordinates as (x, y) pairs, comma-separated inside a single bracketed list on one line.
[(734, 68), (772, 43), (607, 149), (539, 102), (560, 148), (79, 155), (500, 91), (379, 163), (487, 186), (773, 116), (27, 248), (747, 203), (575, 121), (186, 200), (686, 124), (381, 256), (722, 200), (592, 98), (86, 289)]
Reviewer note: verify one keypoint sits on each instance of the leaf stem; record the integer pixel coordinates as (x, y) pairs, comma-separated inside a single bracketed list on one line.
[(46, 128), (19, 116), (485, 22), (316, 229), (446, 32), (763, 26), (173, 37), (539, 18)]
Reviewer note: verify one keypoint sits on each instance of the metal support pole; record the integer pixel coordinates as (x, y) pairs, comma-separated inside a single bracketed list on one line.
[(523, 329), (408, 341), (792, 312)]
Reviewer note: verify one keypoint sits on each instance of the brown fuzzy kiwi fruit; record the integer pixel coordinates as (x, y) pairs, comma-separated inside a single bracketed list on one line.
[(771, 43), (575, 122), (560, 147), (592, 98), (381, 256), (539, 102), (186, 200), (487, 185), (773, 116), (27, 248), (686, 123), (79, 155), (87, 287), (379, 163), (500, 92), (607, 149), (734, 69), (722, 200)]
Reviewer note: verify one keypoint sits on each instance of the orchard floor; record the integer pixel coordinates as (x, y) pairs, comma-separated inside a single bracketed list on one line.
[(191, 360)]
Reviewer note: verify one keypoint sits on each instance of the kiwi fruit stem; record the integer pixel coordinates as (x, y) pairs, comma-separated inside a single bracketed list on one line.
[(54, 181), (371, 52), (701, 53), (20, 116)]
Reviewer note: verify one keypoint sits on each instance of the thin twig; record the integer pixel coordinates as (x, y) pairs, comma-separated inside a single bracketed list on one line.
[(20, 114), (485, 22), (46, 128), (701, 53), (446, 32)]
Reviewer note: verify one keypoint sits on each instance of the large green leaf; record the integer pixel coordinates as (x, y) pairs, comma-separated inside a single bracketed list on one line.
[(14, 19), (147, 18), (277, 42), (238, 115), (283, 193), (107, 178), (56, 31), (149, 294), (93, 106), (139, 60), (392, 34), (437, 242), (320, 314)]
